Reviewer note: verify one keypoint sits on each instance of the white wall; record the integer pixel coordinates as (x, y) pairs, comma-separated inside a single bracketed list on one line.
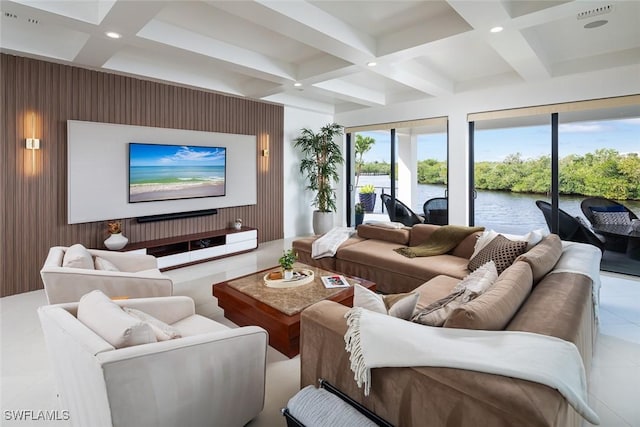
[(98, 162), (602, 84), (297, 201)]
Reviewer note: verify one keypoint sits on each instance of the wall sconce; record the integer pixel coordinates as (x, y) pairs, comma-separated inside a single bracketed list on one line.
[(265, 151), (33, 143)]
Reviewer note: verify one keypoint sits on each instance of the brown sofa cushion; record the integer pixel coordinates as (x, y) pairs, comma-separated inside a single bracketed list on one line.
[(420, 233), (501, 251), (497, 305), (400, 235), (465, 248), (543, 257)]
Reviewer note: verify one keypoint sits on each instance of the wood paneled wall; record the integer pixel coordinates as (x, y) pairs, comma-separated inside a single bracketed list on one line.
[(34, 183)]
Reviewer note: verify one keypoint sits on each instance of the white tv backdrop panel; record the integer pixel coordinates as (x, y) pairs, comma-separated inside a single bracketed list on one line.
[(98, 170)]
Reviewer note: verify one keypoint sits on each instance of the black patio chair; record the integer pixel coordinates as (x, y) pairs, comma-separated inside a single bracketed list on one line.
[(400, 212), (601, 204), (571, 228), (436, 211)]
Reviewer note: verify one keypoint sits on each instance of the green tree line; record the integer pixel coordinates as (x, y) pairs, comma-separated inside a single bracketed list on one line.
[(605, 173)]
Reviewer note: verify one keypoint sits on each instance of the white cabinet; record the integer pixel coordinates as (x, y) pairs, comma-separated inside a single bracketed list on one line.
[(184, 250)]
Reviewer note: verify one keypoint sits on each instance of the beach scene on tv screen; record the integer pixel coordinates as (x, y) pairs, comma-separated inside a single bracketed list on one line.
[(170, 172)]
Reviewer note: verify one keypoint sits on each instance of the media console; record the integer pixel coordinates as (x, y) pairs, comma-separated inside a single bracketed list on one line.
[(174, 252)]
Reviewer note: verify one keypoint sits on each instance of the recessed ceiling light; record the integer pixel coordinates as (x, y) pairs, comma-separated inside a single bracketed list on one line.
[(496, 29), (113, 35), (596, 24), (372, 64), (297, 84)]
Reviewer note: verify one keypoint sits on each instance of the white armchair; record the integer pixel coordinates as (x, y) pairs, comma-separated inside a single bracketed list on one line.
[(138, 276), (213, 375)]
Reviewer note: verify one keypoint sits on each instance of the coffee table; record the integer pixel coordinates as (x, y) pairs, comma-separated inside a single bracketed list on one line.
[(248, 301)]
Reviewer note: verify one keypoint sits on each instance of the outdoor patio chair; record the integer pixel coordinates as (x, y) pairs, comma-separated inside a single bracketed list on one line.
[(436, 211), (601, 204), (571, 228), (400, 212)]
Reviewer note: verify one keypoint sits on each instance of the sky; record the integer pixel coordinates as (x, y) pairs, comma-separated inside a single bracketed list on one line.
[(530, 142), (175, 155)]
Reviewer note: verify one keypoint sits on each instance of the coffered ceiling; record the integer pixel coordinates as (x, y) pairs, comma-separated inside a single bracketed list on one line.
[(261, 49)]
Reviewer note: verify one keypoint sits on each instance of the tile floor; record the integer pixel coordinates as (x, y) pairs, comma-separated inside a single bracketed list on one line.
[(27, 380)]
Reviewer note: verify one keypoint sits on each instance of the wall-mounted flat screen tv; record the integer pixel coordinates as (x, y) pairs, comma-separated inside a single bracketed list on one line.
[(170, 172)]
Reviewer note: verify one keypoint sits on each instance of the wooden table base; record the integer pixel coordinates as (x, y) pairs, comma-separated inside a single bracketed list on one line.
[(284, 330)]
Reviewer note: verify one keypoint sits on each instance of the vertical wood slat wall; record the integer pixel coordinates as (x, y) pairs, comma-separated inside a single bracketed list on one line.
[(34, 184)]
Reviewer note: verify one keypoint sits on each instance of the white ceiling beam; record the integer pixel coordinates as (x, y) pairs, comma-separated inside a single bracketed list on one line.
[(125, 18), (351, 92), (171, 35), (308, 24), (319, 21), (510, 44), (418, 77)]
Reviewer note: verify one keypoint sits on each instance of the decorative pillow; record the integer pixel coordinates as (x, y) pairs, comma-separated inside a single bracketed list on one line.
[(501, 251), (436, 313), (396, 305), (162, 330), (532, 238), (617, 218), (109, 321), (104, 264), (77, 256), (473, 285), (543, 257), (478, 281), (613, 208), (494, 309)]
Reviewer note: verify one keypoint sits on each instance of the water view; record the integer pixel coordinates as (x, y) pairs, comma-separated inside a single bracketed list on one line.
[(499, 210)]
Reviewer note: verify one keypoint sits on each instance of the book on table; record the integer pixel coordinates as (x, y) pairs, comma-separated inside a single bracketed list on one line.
[(335, 281)]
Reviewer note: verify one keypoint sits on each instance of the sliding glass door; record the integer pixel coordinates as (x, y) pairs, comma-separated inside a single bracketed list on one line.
[(512, 169), (405, 161), (597, 151)]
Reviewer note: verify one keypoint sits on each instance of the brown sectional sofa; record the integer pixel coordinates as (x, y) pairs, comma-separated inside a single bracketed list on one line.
[(370, 255), (556, 303)]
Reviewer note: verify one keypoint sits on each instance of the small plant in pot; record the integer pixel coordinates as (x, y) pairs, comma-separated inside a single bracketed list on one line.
[(286, 261), (368, 197), (359, 210)]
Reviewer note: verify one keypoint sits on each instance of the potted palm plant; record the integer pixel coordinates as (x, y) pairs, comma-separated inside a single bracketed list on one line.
[(321, 158)]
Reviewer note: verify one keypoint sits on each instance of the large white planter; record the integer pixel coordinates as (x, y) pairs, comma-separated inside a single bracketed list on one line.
[(322, 222)]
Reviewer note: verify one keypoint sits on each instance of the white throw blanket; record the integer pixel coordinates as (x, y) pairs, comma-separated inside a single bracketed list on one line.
[(584, 259), (328, 244), (376, 340)]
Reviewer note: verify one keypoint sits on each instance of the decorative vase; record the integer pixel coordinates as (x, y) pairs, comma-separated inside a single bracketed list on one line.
[(238, 224), (288, 274), (322, 222), (359, 218), (116, 241)]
